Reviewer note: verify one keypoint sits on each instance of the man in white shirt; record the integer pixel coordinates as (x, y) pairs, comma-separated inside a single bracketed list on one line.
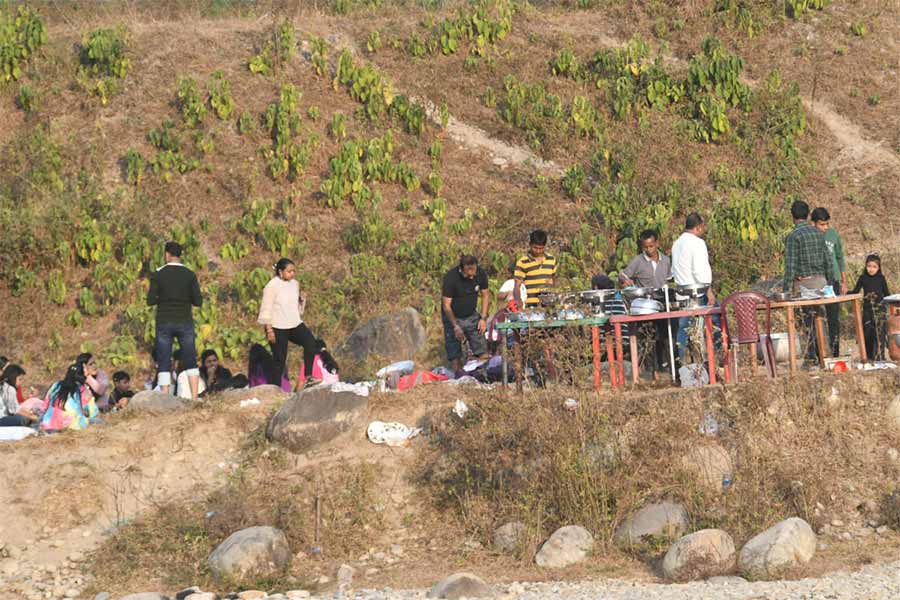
[(690, 266)]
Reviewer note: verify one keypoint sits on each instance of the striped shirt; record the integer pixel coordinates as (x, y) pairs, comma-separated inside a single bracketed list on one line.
[(537, 274)]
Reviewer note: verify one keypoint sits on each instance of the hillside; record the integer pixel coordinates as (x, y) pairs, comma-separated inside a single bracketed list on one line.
[(602, 117)]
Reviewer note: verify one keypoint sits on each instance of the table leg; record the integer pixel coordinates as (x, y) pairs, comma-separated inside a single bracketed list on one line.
[(792, 339), (610, 357), (726, 352), (635, 352), (504, 368), (620, 353), (819, 320), (518, 353), (860, 336), (595, 348), (710, 349), (735, 361)]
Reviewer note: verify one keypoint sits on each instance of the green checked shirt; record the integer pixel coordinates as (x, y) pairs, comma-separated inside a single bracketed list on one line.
[(805, 254), (836, 250)]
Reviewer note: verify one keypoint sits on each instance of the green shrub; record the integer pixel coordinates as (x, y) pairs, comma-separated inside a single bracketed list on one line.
[(28, 99), (56, 287), (220, 95), (21, 35), (193, 108), (276, 51), (103, 62)]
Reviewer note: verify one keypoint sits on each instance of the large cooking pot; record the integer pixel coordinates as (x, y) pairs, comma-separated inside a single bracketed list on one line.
[(645, 306), (633, 293), (596, 296)]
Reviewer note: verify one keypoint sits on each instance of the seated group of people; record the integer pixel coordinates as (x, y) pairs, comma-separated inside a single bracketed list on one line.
[(84, 392)]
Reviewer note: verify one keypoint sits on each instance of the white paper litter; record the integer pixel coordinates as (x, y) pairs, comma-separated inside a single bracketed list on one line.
[(391, 434), (464, 380), (473, 365), (250, 402), (460, 409)]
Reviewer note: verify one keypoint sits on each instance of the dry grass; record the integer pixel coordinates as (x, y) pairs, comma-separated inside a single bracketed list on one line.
[(794, 454)]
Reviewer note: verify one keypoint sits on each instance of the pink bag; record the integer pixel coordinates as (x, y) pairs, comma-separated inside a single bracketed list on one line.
[(319, 372)]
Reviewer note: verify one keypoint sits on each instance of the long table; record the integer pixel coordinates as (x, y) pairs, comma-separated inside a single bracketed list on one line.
[(593, 322), (819, 322), (617, 321)]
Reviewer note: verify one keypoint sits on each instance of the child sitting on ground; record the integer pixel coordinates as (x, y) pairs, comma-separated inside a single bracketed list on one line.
[(122, 391)]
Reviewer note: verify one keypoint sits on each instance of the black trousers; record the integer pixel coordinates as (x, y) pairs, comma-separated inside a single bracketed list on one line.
[(299, 335), (833, 313), (871, 333)]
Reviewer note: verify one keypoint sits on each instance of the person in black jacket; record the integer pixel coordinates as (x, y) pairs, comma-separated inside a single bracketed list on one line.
[(873, 285), (174, 290)]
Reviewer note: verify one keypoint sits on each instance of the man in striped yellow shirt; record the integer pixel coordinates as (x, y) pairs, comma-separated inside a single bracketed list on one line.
[(536, 270)]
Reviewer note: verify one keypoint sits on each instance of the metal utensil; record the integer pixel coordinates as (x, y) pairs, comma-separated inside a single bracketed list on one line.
[(633, 293), (645, 306)]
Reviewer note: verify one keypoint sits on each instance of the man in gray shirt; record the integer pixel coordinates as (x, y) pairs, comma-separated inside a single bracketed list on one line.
[(651, 268)]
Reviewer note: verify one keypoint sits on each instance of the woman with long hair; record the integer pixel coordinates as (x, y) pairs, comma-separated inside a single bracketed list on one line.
[(70, 403), (261, 368), (11, 413), (280, 312)]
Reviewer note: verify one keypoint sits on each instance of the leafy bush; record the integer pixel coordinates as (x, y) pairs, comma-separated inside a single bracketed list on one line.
[(28, 99), (56, 287), (103, 62), (21, 35), (245, 123), (134, 167), (193, 108), (276, 51), (220, 95), (283, 121)]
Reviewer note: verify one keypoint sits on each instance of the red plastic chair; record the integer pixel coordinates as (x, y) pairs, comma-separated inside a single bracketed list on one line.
[(745, 310)]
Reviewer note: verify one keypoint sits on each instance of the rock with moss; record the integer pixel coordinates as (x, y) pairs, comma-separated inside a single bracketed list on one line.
[(255, 551)]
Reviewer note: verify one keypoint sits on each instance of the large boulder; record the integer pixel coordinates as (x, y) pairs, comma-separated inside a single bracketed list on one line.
[(157, 402), (461, 585), (315, 416), (395, 336), (145, 596), (508, 537), (254, 551), (567, 546), (710, 464), (777, 549), (705, 553), (663, 519)]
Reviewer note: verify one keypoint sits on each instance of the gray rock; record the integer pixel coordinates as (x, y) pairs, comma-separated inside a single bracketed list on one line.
[(266, 394), (185, 593), (315, 416), (663, 519), (103, 596), (726, 580), (198, 595), (345, 575), (145, 595), (893, 414), (710, 464), (567, 546), (157, 402), (251, 551), (396, 336), (461, 585), (702, 554), (508, 537), (787, 544)]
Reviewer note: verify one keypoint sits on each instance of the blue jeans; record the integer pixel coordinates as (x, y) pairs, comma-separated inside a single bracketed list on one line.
[(15, 421), (685, 322), (166, 334)]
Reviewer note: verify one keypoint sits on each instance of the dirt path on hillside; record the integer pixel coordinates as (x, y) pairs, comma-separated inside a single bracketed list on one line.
[(856, 151)]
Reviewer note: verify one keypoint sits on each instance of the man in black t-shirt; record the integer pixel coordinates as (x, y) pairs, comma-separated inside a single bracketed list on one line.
[(462, 320)]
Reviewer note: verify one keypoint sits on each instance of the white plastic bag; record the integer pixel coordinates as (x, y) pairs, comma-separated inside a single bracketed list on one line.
[(403, 367), (391, 434)]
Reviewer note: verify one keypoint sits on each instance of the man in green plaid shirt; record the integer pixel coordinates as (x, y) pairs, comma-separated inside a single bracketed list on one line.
[(807, 262), (807, 265)]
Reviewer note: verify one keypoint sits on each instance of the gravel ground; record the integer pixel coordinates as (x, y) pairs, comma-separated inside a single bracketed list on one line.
[(876, 582)]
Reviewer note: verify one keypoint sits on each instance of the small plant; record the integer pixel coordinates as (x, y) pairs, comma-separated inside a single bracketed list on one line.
[(103, 61), (246, 123), (193, 108), (23, 279), (276, 51), (338, 126), (859, 29), (313, 113), (319, 56), (27, 99), (489, 98), (56, 287), (435, 184), (134, 167), (874, 100), (573, 181), (21, 35), (220, 95), (373, 42), (234, 251)]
